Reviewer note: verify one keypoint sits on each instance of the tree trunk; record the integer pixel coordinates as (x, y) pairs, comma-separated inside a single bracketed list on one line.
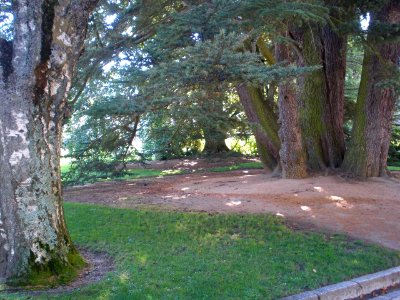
[(322, 97), (214, 128), (35, 247), (214, 141), (263, 122), (368, 150), (292, 154)]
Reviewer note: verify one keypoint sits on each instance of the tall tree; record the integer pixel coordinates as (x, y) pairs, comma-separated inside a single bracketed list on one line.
[(377, 94), (292, 152), (47, 42), (322, 95)]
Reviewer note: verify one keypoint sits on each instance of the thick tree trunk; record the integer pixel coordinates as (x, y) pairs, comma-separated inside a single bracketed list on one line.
[(368, 150), (214, 141), (34, 243), (292, 154), (263, 122), (215, 130), (322, 97), (334, 66)]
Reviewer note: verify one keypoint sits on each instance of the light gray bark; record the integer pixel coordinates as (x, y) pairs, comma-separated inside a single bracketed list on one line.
[(48, 41)]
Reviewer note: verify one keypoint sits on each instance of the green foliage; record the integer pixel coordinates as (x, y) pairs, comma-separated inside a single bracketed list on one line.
[(394, 148), (173, 255), (175, 65), (6, 20)]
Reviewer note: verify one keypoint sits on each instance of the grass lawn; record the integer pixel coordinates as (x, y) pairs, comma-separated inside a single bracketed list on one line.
[(240, 166), (175, 255), (142, 173)]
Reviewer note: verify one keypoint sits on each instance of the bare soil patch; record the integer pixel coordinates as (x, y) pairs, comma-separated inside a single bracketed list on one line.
[(367, 210)]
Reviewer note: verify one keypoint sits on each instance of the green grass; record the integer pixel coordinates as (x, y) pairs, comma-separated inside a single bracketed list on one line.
[(394, 168), (65, 168), (175, 255), (241, 166), (140, 173), (130, 174), (143, 173)]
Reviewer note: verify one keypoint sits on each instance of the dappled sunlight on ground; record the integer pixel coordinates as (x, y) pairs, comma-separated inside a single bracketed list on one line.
[(305, 208), (364, 209), (335, 198), (233, 203), (247, 176)]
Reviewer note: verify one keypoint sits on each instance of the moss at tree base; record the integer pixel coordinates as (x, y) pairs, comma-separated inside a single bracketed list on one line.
[(55, 272)]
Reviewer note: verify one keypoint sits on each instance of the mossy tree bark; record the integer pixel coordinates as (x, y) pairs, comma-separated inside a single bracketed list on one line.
[(322, 97), (35, 246), (263, 121), (260, 109), (368, 150), (292, 153)]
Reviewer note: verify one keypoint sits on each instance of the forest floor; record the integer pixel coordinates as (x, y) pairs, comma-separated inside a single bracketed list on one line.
[(367, 210)]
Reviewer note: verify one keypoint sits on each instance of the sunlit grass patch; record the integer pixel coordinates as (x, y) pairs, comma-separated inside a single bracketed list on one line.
[(240, 166), (394, 168), (176, 255)]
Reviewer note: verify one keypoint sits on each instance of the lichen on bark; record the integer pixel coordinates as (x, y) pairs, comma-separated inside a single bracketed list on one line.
[(322, 96), (36, 247)]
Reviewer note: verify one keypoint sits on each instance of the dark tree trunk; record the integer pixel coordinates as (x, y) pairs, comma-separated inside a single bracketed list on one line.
[(263, 122), (214, 128), (368, 150), (292, 154), (214, 141), (47, 43), (322, 97)]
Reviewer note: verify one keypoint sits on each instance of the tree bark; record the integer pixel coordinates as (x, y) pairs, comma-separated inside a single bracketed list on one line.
[(214, 141), (35, 247), (263, 122), (322, 97), (214, 129), (292, 154), (368, 150)]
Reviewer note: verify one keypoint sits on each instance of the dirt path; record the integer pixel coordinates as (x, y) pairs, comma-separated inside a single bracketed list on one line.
[(368, 210)]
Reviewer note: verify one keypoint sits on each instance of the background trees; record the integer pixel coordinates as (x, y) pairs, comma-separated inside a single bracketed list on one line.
[(192, 54)]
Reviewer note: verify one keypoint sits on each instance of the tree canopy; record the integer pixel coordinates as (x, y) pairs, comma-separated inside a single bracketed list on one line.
[(178, 72)]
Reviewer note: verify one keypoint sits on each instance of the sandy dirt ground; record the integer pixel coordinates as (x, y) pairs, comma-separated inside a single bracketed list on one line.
[(367, 210)]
